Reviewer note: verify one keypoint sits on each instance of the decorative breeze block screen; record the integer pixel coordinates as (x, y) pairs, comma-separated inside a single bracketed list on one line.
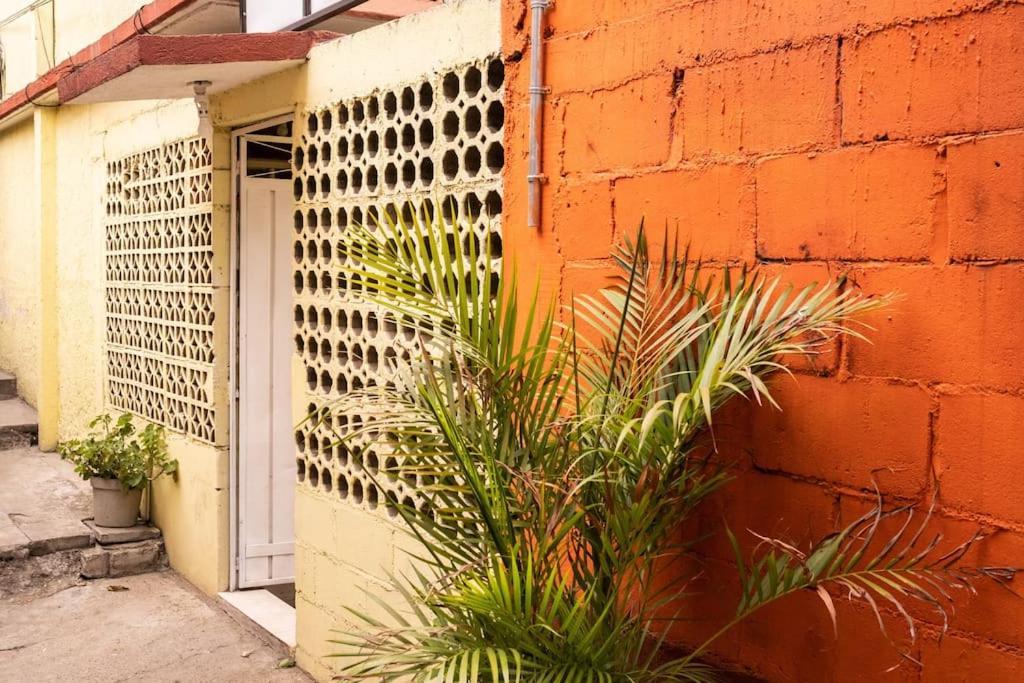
[(159, 294), (359, 160)]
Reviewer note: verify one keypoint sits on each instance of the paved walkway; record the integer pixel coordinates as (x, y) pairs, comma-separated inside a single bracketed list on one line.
[(56, 626), (42, 502), (159, 629)]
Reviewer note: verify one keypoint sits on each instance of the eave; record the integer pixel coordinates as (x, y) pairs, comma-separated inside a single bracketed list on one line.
[(149, 67)]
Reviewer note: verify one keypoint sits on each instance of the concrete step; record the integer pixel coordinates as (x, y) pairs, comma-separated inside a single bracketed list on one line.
[(47, 538), (8, 386), (19, 424), (52, 572)]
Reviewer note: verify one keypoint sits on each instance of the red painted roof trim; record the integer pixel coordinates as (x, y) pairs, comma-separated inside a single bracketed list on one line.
[(147, 17), (155, 50)]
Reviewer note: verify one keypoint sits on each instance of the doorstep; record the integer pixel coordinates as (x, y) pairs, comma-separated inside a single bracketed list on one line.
[(267, 611)]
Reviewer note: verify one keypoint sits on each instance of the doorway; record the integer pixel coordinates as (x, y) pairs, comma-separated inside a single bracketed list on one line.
[(263, 459)]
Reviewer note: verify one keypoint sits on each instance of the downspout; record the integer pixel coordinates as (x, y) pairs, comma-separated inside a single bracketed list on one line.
[(537, 91)]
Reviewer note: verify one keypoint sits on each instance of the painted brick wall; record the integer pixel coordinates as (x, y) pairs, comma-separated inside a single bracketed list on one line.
[(877, 139)]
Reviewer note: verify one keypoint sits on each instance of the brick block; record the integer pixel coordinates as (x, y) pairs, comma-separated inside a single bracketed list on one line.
[(712, 593), (569, 17), (863, 652), (584, 279), (362, 592), (977, 454), (738, 27), (794, 640), (985, 180), (846, 432), (313, 627), (617, 41), (855, 203), (992, 614), (95, 563), (128, 559), (768, 504), (962, 74), (954, 324), (799, 275), (334, 590), (582, 219), (305, 574), (365, 541), (588, 278), (624, 128), (963, 660), (612, 55), (711, 208), (766, 103), (313, 520)]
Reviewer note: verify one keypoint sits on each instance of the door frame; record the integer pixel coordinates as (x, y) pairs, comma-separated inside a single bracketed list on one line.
[(234, 564)]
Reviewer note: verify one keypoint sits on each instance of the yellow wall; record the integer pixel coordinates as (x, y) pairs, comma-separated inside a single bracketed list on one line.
[(344, 551), (18, 39), (88, 136), (41, 39), (193, 511), (19, 260), (80, 22), (340, 550)]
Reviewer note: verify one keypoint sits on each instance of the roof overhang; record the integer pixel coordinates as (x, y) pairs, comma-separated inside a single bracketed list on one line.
[(151, 67)]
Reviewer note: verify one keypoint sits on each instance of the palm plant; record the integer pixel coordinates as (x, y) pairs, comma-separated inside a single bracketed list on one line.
[(562, 457)]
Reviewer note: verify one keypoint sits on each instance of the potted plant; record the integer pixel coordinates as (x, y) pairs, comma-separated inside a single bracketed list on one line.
[(119, 465), (559, 460)]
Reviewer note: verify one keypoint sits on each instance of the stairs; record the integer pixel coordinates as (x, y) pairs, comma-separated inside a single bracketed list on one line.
[(19, 423), (47, 539)]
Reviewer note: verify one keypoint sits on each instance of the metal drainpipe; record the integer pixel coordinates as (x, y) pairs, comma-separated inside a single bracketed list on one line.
[(537, 91)]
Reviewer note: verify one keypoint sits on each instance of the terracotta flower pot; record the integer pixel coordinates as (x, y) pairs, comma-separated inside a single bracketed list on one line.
[(112, 506)]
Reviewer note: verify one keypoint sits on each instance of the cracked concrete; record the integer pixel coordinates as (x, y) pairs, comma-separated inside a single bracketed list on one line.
[(42, 504), (159, 629)]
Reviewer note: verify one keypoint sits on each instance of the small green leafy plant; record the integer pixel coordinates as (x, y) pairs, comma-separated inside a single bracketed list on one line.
[(114, 451)]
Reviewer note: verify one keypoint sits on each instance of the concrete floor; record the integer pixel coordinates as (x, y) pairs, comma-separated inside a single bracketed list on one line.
[(160, 629), (42, 500)]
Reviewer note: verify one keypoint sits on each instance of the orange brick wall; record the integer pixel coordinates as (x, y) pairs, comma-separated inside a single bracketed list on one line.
[(881, 139)]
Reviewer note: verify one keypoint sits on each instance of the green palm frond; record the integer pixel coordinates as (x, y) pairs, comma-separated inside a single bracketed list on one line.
[(557, 465), (909, 565)]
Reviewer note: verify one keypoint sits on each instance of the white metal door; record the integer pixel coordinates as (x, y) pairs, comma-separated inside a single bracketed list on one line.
[(266, 462)]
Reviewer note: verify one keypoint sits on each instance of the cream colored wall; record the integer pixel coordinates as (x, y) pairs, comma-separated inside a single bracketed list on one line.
[(340, 550), (18, 40), (41, 39), (19, 260), (193, 511), (343, 551), (80, 22), (88, 136)]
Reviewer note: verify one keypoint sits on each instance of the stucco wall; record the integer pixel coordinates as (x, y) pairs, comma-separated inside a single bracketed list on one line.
[(192, 512), (19, 260), (879, 140), (79, 24), (18, 39)]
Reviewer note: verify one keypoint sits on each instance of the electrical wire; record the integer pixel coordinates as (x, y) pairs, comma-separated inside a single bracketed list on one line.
[(3, 72), (53, 38), (23, 11), (139, 24)]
